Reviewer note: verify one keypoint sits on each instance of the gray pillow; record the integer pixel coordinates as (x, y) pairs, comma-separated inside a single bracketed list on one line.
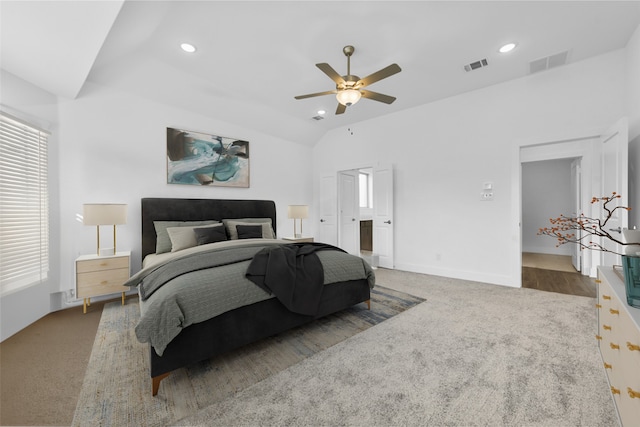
[(163, 242), (249, 231), (215, 233), (267, 229)]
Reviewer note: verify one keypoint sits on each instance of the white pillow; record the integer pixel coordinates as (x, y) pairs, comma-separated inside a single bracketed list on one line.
[(184, 237)]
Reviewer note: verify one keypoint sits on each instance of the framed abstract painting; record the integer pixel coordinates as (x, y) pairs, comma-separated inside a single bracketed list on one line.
[(195, 158)]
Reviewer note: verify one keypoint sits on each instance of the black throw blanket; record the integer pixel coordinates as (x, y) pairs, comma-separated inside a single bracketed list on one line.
[(293, 273)]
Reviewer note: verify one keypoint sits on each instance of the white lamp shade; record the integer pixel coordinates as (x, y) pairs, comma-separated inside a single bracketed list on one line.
[(298, 211), (348, 97), (104, 214)]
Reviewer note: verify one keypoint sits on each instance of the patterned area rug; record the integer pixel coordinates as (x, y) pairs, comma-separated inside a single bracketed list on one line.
[(117, 387)]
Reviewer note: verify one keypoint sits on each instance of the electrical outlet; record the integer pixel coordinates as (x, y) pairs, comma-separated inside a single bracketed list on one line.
[(486, 196)]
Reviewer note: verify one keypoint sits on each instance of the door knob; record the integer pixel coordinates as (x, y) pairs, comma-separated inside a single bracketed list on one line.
[(388, 221)]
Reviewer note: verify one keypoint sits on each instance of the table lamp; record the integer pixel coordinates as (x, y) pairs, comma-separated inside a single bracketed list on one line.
[(104, 214), (297, 212)]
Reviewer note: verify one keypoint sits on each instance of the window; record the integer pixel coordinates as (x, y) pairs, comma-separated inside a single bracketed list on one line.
[(24, 205), (366, 190)]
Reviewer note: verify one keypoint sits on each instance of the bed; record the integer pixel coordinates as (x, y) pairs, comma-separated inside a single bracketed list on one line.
[(243, 324)]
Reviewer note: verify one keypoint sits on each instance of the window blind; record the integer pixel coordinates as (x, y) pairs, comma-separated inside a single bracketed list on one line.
[(24, 205)]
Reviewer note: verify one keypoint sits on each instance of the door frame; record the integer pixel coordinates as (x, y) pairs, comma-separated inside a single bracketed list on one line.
[(583, 145)]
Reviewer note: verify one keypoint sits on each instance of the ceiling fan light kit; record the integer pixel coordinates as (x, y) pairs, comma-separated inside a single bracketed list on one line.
[(348, 89)]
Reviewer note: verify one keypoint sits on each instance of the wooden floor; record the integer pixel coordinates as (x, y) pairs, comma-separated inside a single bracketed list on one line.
[(548, 277)]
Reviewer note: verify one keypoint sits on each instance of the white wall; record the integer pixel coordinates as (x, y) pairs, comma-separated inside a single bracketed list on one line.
[(114, 150), (443, 152), (546, 193)]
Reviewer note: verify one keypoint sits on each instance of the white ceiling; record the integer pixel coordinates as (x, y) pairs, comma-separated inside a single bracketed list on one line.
[(254, 57)]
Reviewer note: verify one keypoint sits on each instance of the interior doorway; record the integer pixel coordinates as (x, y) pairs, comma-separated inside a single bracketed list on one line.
[(365, 214)]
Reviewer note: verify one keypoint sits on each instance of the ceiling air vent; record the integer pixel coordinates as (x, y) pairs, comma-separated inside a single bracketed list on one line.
[(317, 117), (475, 65), (548, 62)]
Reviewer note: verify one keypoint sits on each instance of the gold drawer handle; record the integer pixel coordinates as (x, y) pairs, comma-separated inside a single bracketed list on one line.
[(612, 311), (633, 394), (598, 305), (598, 281), (633, 347), (606, 327), (104, 282), (606, 297), (607, 366), (614, 346), (615, 390), (598, 337)]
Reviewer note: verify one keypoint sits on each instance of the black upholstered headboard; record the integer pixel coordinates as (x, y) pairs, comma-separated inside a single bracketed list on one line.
[(161, 209)]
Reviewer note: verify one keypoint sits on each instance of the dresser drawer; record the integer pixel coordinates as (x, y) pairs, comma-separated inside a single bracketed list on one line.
[(102, 282), (101, 264)]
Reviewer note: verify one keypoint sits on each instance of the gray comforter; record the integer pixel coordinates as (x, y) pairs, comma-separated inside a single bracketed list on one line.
[(216, 284)]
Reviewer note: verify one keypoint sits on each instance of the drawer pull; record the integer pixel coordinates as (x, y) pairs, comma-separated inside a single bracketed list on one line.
[(104, 282), (607, 366), (598, 337), (606, 327), (598, 305), (633, 347), (615, 390), (612, 311), (606, 297), (598, 281), (633, 394), (614, 346)]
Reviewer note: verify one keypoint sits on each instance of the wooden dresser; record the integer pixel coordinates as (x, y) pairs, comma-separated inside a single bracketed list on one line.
[(101, 275), (619, 340)]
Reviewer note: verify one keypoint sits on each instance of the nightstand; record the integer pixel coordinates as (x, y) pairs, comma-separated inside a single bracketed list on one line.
[(101, 275), (298, 239)]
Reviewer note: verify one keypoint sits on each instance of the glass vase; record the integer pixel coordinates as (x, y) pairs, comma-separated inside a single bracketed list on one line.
[(631, 267)]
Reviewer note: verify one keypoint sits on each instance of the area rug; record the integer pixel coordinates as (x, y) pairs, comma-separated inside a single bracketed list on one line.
[(117, 388), (471, 355)]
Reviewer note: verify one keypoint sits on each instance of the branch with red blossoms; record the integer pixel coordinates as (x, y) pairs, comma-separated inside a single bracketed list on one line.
[(582, 230)]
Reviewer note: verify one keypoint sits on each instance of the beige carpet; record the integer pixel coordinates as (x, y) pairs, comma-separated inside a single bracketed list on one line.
[(471, 355), (117, 389), (548, 262)]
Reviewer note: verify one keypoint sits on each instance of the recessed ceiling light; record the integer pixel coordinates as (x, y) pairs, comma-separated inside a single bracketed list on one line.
[(321, 112), (187, 47), (507, 48)]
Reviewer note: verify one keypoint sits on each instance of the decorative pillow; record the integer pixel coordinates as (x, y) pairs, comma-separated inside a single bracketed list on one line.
[(163, 242), (249, 231), (184, 237), (215, 233), (267, 230)]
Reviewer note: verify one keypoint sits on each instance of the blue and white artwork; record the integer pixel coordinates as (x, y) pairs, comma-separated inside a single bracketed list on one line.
[(200, 159)]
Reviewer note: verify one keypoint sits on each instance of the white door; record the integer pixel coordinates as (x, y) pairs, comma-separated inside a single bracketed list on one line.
[(576, 191), (383, 215), (615, 154), (349, 212), (328, 229)]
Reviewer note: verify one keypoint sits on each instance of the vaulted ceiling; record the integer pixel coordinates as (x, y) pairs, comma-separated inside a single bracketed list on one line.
[(252, 58)]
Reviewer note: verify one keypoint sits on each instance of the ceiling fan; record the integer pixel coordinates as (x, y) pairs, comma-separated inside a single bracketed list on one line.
[(349, 88)]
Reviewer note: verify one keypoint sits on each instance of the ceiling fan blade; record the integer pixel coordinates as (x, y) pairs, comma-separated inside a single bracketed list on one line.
[(379, 75), (377, 96), (341, 108), (329, 92), (329, 71)]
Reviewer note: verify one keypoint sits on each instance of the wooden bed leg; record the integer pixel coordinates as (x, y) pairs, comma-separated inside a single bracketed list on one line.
[(156, 382), (368, 304)]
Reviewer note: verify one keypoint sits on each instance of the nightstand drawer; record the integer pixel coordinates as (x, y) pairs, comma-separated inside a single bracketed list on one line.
[(102, 264), (102, 282)]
